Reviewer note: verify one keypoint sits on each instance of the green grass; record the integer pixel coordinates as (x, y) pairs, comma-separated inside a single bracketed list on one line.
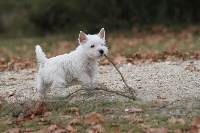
[(151, 116)]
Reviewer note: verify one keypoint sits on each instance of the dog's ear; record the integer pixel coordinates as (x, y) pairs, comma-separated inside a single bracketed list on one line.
[(102, 33), (82, 37)]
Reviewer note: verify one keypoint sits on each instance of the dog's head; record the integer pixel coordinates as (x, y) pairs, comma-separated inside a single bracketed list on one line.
[(93, 45)]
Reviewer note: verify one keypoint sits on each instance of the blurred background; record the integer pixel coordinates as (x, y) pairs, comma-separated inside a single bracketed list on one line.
[(144, 29)]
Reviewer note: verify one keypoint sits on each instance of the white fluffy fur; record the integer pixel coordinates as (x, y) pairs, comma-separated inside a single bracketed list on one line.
[(78, 67)]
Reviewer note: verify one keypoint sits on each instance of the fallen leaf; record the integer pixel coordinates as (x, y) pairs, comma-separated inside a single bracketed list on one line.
[(44, 130), (39, 108), (119, 59), (133, 118), (108, 111), (53, 128), (177, 131), (61, 131), (9, 121), (70, 129), (131, 130), (42, 121), (173, 121), (48, 113), (65, 117), (75, 121), (14, 130), (96, 129), (28, 130), (196, 120), (102, 71), (116, 125), (94, 118), (76, 111), (195, 125), (191, 67), (143, 126), (134, 110), (12, 94), (158, 130), (12, 79), (129, 117), (161, 97), (104, 62)]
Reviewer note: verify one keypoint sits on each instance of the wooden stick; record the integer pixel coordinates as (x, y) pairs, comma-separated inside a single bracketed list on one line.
[(130, 89)]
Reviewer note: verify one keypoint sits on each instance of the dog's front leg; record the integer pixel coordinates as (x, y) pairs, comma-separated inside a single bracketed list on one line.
[(86, 82)]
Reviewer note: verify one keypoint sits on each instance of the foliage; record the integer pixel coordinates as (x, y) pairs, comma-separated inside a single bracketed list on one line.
[(43, 16), (94, 116), (137, 47)]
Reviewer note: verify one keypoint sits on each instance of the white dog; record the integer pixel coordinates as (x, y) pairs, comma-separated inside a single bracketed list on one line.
[(78, 67)]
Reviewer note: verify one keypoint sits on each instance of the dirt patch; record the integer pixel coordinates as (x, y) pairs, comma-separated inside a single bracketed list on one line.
[(171, 82)]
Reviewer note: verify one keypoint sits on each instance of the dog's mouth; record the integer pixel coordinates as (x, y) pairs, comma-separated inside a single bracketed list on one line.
[(101, 55)]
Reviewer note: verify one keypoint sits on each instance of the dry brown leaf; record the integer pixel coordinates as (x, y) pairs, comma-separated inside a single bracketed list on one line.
[(94, 118), (103, 71), (76, 111), (12, 79), (196, 120), (158, 130), (133, 118), (134, 110), (177, 131), (64, 117), (44, 130), (104, 62), (131, 130), (39, 108), (15, 64), (173, 121), (129, 117), (195, 125), (15, 130), (60, 131), (108, 111), (42, 121), (96, 129), (48, 113), (116, 125), (70, 129), (137, 120), (9, 121), (53, 128), (12, 94), (75, 121), (28, 130), (161, 97), (120, 59), (145, 126)]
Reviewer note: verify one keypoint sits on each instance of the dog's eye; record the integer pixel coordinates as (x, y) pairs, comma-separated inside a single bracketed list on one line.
[(102, 44), (92, 46)]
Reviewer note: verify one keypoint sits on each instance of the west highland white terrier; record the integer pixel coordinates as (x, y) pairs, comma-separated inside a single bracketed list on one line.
[(78, 67)]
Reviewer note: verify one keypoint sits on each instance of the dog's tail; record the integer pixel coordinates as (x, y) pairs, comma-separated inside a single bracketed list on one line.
[(41, 57)]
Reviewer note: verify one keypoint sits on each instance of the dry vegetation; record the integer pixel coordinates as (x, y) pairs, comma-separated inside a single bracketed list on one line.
[(137, 47)]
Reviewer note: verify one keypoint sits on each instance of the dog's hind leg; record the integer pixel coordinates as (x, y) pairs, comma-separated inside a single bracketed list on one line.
[(57, 86), (41, 88)]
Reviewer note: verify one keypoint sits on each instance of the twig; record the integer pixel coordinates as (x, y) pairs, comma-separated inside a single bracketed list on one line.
[(130, 89), (116, 92), (71, 95)]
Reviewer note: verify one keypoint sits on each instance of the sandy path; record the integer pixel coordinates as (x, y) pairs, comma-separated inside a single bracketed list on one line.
[(169, 81)]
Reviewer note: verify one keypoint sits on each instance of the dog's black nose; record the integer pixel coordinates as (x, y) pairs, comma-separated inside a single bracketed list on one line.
[(101, 51)]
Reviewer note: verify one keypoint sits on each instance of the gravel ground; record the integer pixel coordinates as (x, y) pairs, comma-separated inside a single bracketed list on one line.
[(174, 82)]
